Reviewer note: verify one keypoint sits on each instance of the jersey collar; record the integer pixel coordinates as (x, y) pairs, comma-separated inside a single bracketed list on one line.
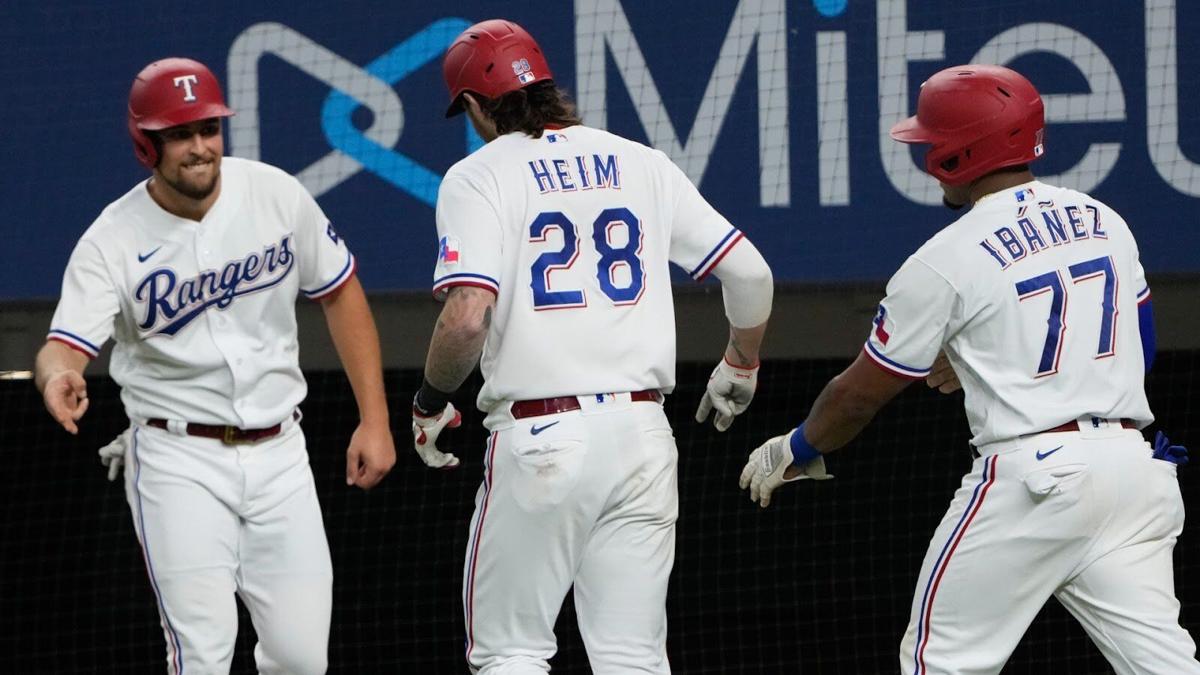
[(1007, 190)]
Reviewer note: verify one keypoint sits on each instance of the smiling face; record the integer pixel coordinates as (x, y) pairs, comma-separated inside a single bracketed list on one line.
[(190, 158)]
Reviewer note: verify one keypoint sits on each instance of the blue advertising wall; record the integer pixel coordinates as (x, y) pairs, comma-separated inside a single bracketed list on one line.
[(778, 110)]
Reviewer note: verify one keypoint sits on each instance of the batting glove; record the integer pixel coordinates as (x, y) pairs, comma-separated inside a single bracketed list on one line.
[(729, 392), (766, 468), (425, 434), (113, 455), (1175, 454)]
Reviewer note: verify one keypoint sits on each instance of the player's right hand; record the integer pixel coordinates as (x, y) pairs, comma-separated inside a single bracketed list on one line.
[(770, 465), (113, 454), (425, 434), (65, 396), (729, 392)]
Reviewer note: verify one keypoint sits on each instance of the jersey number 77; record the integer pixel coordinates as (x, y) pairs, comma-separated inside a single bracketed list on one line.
[(1052, 282)]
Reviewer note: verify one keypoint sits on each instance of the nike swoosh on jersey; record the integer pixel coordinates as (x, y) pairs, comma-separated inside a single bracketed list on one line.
[(535, 430), (1043, 455), (144, 258)]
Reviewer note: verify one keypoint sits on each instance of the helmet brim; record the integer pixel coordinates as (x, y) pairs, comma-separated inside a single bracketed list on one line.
[(910, 131), (185, 115), (455, 108)]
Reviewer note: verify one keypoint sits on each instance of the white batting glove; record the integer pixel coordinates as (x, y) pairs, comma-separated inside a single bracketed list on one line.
[(425, 434), (113, 455), (767, 466), (729, 392)]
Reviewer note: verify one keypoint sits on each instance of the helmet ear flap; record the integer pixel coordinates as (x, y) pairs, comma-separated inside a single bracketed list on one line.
[(145, 149), (954, 162)]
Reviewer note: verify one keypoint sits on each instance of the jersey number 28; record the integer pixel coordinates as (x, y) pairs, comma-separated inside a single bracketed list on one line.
[(612, 258)]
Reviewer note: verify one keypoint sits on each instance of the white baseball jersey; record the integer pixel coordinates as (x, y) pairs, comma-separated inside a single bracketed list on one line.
[(203, 313), (1033, 293), (573, 232)]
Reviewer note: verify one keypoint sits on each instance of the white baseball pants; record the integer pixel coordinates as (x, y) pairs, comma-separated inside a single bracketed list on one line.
[(586, 497), (1088, 517), (216, 519)]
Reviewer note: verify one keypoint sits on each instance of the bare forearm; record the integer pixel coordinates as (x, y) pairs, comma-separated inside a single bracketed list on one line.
[(53, 358), (455, 348), (744, 345), (838, 415), (357, 342), (848, 403)]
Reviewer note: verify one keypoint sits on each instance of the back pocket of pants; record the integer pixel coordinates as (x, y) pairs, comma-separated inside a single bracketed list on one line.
[(547, 471), (1055, 480)]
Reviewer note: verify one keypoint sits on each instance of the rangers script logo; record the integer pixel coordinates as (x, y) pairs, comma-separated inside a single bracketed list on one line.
[(172, 304)]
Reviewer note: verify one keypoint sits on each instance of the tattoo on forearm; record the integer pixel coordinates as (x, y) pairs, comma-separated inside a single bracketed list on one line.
[(451, 359), (454, 353), (446, 375), (743, 360)]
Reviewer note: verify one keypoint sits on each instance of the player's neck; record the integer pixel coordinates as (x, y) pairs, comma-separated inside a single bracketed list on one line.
[(178, 204), (995, 182)]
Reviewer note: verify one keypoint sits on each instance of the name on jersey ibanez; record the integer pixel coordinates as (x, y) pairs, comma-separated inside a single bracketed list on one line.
[(1048, 227), (581, 172), (171, 304)]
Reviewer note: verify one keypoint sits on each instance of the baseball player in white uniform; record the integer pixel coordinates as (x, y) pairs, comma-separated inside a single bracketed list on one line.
[(1037, 298), (194, 274), (554, 245)]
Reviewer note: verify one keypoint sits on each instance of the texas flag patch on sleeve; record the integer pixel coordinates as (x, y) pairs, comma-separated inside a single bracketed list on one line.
[(879, 321), (448, 250)]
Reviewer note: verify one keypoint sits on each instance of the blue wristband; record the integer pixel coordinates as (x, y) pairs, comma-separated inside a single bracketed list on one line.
[(802, 451)]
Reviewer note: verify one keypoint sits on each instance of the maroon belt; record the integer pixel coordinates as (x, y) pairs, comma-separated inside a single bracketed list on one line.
[(1074, 426), (549, 406), (228, 435)]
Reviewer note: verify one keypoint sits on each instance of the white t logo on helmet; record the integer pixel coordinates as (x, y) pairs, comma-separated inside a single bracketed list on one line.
[(187, 81)]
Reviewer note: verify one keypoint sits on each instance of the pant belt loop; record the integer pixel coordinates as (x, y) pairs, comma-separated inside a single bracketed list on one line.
[(290, 421)]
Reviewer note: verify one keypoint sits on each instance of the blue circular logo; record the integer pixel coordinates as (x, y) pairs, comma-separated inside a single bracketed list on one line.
[(830, 8)]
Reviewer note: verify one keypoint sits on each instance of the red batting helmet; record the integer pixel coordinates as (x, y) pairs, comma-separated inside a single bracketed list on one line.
[(976, 119), (492, 58), (168, 93)]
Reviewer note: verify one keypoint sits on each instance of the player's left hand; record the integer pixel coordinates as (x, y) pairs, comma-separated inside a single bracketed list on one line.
[(942, 376), (113, 454), (1175, 454), (730, 390), (425, 435), (770, 465), (370, 456)]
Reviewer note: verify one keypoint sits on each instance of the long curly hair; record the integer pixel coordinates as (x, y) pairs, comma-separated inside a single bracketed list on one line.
[(531, 109)]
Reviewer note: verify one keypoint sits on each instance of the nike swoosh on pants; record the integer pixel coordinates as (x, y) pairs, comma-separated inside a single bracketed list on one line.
[(1043, 455)]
